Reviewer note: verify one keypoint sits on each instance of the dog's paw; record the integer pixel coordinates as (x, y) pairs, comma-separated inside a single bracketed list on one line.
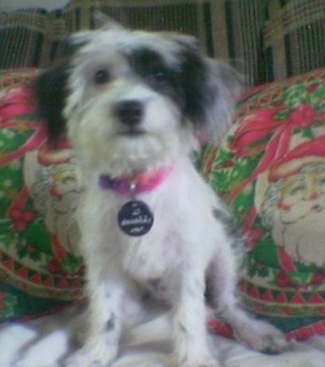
[(83, 358), (262, 337), (95, 356)]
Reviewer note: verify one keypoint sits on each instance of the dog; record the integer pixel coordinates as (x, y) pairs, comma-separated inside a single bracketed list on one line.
[(135, 105)]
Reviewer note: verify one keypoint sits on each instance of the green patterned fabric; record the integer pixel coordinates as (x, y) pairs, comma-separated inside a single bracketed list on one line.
[(38, 269), (271, 171)]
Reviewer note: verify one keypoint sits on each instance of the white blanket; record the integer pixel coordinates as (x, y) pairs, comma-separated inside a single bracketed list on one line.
[(44, 342)]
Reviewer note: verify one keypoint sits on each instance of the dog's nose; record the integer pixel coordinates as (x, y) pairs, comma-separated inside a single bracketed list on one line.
[(129, 112)]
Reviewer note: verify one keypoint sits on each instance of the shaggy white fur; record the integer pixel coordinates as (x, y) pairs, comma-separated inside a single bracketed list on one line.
[(136, 103)]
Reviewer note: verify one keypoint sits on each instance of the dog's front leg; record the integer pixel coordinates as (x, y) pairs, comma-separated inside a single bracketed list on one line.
[(104, 321), (190, 332)]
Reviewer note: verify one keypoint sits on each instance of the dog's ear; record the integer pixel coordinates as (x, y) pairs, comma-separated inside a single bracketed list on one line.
[(223, 85), (210, 90), (50, 90)]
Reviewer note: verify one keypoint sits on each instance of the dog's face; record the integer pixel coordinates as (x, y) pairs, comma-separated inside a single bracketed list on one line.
[(136, 100)]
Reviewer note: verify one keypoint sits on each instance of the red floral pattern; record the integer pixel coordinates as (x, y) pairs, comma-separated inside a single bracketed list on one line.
[(270, 170), (37, 273), (279, 130)]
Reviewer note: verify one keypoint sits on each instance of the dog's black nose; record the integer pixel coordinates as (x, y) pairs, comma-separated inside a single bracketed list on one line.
[(129, 112)]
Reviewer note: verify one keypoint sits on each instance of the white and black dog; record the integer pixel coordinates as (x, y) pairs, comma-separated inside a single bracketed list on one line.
[(134, 105)]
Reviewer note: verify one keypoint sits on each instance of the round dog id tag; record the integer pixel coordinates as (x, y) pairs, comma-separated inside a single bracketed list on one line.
[(135, 218)]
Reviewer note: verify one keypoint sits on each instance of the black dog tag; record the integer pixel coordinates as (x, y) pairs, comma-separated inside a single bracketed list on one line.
[(135, 218)]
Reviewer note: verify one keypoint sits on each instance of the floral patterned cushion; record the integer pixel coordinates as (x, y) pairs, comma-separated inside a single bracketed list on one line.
[(39, 268), (270, 169)]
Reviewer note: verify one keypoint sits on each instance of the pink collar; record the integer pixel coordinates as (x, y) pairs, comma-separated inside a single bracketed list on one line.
[(135, 184)]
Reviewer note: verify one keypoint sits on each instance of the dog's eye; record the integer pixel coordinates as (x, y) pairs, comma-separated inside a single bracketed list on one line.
[(160, 76), (102, 76)]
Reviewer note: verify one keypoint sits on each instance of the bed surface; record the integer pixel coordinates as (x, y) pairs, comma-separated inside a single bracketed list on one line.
[(45, 341)]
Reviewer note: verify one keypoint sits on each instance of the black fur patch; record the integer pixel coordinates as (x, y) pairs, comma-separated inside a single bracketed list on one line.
[(110, 324), (50, 93), (227, 221), (185, 83), (194, 80)]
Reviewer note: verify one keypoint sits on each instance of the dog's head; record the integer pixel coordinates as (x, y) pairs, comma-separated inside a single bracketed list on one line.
[(133, 100)]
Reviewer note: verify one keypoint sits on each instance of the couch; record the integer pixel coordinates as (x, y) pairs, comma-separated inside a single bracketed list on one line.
[(269, 170), (285, 38)]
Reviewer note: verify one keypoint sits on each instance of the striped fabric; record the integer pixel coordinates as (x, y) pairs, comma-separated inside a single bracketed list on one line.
[(266, 39), (22, 36), (30, 37), (294, 37)]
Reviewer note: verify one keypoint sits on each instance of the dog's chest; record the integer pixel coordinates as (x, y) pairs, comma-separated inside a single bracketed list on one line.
[(182, 212), (154, 256), (159, 251)]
